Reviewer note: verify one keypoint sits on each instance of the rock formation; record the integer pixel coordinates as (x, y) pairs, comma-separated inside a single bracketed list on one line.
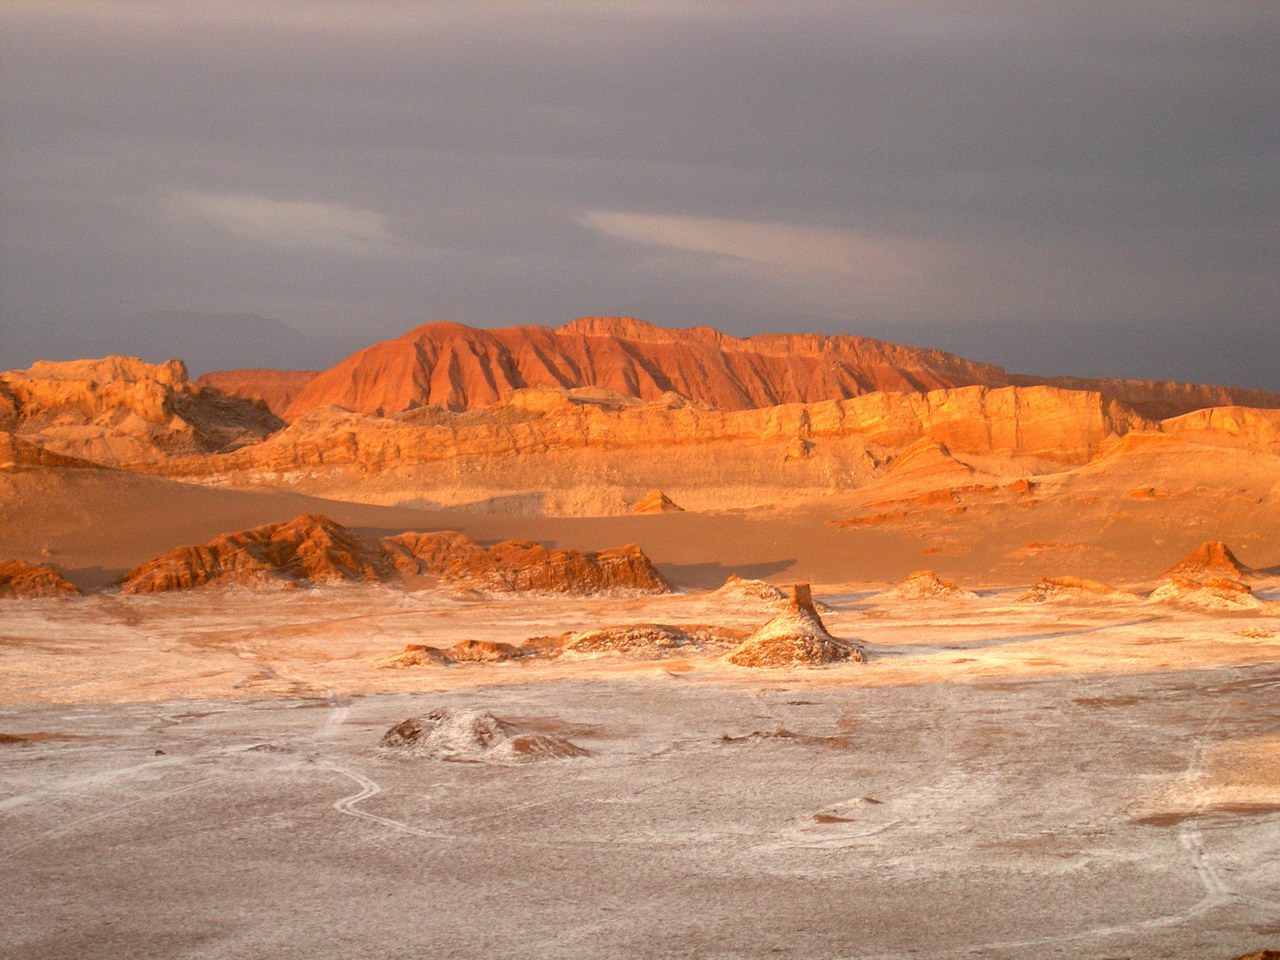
[(655, 501), (120, 410), (760, 591), (549, 452), (27, 581), (927, 585), (1212, 558), (305, 551), (454, 367), (647, 640), (796, 636), (417, 655), (1050, 589), (1212, 593), (314, 549), (484, 651), (476, 736), (524, 566)]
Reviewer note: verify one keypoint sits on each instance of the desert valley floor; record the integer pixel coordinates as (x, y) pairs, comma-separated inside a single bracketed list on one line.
[(202, 775)]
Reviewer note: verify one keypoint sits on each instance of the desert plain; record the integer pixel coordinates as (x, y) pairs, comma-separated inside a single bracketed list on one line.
[(663, 645)]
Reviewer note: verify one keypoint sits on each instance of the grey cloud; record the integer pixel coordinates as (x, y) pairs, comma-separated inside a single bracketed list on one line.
[(1077, 177)]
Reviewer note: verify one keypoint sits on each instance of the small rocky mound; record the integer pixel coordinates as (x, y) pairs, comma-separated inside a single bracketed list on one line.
[(655, 501), (308, 550), (1212, 558), (476, 737), (1213, 593), (418, 655), (20, 580), (1050, 589), (484, 651), (647, 640), (740, 588), (794, 637), (523, 566), (927, 585), (759, 591)]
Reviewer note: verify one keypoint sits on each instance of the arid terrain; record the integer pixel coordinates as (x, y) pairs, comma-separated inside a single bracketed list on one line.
[(610, 640)]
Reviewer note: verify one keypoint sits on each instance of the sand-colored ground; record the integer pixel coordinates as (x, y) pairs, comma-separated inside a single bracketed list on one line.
[(199, 776)]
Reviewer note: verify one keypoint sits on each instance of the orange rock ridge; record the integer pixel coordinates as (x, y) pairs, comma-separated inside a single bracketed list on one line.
[(455, 367), (314, 549)]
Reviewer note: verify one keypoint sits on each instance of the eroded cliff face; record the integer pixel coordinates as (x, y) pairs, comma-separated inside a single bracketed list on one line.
[(313, 549), (585, 452), (454, 367), (121, 410)]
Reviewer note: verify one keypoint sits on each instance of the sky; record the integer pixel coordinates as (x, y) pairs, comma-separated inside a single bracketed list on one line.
[(1059, 187)]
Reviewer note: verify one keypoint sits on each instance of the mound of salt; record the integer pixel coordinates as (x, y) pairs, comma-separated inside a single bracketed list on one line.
[(1213, 593), (796, 636), (927, 585), (475, 736)]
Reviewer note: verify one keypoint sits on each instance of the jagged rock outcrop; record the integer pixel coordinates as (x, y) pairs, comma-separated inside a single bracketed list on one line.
[(20, 580), (314, 549), (276, 388), (1212, 593), (1052, 589), (1212, 558), (647, 641), (797, 636), (485, 651), (417, 655), (121, 410), (455, 367), (524, 566), (476, 736), (308, 550), (927, 585), (655, 501), (760, 591)]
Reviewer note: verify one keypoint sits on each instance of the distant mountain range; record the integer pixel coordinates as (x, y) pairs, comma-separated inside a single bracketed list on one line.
[(455, 367)]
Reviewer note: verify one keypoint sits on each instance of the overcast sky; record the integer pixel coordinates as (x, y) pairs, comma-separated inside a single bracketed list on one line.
[(1060, 187)]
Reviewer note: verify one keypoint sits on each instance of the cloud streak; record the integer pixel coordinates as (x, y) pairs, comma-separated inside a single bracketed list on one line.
[(332, 227)]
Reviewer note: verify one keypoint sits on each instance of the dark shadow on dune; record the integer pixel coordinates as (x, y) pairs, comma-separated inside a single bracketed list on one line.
[(715, 574), (514, 505), (95, 578), (913, 651)]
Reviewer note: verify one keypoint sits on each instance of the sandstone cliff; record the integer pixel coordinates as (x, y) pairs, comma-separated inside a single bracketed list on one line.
[(552, 452), (120, 410)]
